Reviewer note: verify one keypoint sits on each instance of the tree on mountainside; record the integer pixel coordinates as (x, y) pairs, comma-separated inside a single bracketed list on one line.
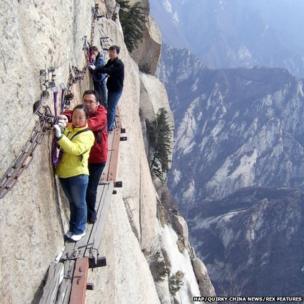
[(159, 134), (133, 19)]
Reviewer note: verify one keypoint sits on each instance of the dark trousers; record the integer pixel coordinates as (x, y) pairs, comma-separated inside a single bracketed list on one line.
[(95, 174), (75, 189), (113, 99), (101, 89)]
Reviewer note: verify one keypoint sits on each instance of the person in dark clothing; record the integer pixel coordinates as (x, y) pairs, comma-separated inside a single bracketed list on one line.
[(115, 69), (99, 79)]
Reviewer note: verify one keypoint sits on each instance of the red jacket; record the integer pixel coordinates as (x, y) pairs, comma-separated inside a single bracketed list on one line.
[(98, 124)]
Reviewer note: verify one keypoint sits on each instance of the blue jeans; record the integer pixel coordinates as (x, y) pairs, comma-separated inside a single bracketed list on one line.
[(101, 89), (113, 99), (95, 174), (75, 189)]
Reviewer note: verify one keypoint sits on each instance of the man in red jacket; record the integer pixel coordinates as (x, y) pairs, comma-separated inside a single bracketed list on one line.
[(98, 156)]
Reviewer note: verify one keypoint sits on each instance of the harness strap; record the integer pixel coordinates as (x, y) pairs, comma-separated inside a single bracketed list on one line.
[(79, 132)]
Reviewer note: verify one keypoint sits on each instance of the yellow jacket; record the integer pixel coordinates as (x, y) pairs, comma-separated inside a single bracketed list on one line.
[(76, 151)]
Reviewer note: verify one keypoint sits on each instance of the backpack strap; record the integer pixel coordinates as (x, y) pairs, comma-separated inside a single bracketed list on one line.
[(98, 134), (79, 132)]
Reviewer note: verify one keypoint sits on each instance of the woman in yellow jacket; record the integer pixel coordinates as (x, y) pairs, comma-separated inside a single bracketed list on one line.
[(75, 143)]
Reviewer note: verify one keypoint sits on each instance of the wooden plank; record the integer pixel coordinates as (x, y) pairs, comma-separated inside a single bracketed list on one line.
[(98, 222), (85, 241), (79, 283), (102, 214), (115, 155), (112, 172), (54, 279), (118, 118), (66, 285), (104, 176), (69, 249), (114, 139)]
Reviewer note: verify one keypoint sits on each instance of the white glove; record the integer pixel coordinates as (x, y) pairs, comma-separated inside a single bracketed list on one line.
[(61, 124), (92, 67), (58, 132), (62, 121)]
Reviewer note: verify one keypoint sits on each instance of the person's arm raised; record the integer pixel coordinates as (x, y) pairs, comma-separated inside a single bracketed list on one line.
[(110, 68), (80, 145), (99, 63)]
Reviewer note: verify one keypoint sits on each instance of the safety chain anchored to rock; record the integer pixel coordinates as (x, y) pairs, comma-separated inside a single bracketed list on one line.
[(12, 174), (43, 126), (46, 117)]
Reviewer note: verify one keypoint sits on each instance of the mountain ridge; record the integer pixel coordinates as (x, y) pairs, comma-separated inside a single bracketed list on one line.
[(252, 241), (238, 155), (233, 33)]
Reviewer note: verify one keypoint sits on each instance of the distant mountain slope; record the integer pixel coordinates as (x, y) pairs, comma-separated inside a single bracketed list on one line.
[(235, 33), (239, 139), (235, 128), (238, 167), (168, 20), (253, 241)]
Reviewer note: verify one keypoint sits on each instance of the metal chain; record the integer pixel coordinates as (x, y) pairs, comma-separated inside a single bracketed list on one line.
[(24, 159), (96, 15), (43, 125)]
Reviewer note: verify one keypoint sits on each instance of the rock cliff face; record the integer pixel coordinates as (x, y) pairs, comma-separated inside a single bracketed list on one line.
[(148, 52), (146, 263)]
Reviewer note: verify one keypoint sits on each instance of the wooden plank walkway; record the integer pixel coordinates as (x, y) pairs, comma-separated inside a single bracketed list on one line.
[(110, 171), (67, 279), (79, 282), (55, 277)]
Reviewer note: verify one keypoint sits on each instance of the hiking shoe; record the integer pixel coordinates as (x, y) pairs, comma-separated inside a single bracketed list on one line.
[(77, 237), (92, 219), (68, 235)]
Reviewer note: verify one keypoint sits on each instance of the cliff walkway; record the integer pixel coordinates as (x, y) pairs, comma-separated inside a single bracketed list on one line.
[(67, 276)]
